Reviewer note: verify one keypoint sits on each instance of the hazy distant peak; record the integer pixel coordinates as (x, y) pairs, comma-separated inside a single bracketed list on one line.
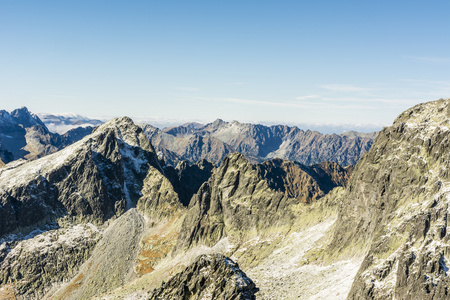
[(193, 125), (63, 122), (354, 134), (218, 122)]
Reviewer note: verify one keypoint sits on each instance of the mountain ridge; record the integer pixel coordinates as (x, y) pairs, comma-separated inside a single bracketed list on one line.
[(258, 143)]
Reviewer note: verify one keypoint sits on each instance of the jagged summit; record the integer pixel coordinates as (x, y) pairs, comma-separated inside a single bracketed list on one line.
[(99, 176), (125, 130), (24, 135), (27, 119), (209, 277), (20, 116), (241, 200), (5, 118)]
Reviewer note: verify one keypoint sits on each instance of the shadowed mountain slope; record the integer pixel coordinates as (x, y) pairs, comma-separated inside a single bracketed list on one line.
[(24, 135)]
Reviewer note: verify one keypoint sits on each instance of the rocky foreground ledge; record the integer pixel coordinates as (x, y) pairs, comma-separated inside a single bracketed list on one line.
[(209, 277)]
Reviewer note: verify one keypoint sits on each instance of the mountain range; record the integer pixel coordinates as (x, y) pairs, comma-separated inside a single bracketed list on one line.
[(105, 218), (25, 136), (258, 143)]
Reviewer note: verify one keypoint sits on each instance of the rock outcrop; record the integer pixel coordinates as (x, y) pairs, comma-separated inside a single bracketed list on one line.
[(209, 277), (397, 209), (49, 255), (235, 202)]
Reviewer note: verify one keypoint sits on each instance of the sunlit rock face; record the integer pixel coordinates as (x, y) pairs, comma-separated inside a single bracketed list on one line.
[(397, 208)]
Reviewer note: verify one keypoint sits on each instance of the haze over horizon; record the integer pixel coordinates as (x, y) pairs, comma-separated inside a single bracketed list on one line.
[(288, 62)]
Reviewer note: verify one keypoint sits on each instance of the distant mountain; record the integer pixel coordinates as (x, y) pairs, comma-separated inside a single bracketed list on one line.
[(185, 144), (216, 140), (61, 123), (24, 135)]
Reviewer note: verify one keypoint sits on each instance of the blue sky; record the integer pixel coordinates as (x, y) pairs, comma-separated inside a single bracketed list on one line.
[(293, 62)]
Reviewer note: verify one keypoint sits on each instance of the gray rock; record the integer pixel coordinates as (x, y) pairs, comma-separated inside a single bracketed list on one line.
[(396, 209), (94, 179), (209, 277), (235, 202)]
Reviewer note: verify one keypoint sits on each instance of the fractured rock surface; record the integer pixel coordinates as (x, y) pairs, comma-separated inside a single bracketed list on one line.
[(209, 277)]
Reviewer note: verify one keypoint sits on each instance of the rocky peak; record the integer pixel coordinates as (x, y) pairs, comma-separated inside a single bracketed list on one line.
[(211, 276), (20, 117), (96, 178), (396, 209), (25, 118), (218, 123), (125, 130), (24, 135), (236, 202), (5, 118)]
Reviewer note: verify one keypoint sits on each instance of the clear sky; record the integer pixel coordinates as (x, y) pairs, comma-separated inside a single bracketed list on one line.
[(334, 62)]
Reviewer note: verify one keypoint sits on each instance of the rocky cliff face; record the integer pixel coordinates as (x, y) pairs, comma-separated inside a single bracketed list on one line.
[(187, 178), (209, 277), (307, 183), (32, 263), (239, 202), (397, 209)]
